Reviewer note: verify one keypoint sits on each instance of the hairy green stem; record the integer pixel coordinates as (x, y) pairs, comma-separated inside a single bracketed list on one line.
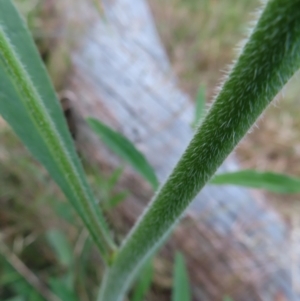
[(85, 203), (269, 58)]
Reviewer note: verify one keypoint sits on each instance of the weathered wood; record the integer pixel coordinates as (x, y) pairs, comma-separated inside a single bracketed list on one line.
[(234, 243)]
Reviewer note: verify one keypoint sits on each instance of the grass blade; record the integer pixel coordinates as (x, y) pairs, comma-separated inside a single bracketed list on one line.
[(144, 283), (115, 200), (18, 298), (181, 286), (61, 290), (61, 246), (29, 283), (200, 106), (29, 104), (270, 181), (114, 178), (125, 149)]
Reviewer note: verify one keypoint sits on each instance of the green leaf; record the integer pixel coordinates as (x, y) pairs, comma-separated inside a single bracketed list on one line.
[(144, 283), (115, 200), (200, 106), (30, 106), (270, 181), (181, 287), (23, 283), (24, 289), (16, 298), (64, 211), (114, 178), (227, 298), (61, 246), (61, 290), (125, 150), (8, 276)]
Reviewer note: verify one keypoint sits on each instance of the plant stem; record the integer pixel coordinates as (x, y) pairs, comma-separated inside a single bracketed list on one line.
[(85, 203), (269, 58)]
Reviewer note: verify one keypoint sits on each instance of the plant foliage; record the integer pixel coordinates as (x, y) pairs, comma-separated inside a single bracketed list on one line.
[(29, 104), (270, 181)]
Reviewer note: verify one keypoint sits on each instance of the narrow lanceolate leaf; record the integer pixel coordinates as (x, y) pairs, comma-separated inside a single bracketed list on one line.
[(268, 60), (62, 290), (270, 181), (144, 282), (29, 104), (200, 106), (181, 286), (125, 149), (115, 200), (61, 246)]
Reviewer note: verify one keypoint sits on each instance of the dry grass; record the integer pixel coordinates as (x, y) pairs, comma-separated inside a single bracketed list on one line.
[(200, 37)]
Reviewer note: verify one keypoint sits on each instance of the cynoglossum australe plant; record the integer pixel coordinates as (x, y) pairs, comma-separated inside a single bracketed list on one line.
[(269, 58), (267, 61), (29, 104)]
